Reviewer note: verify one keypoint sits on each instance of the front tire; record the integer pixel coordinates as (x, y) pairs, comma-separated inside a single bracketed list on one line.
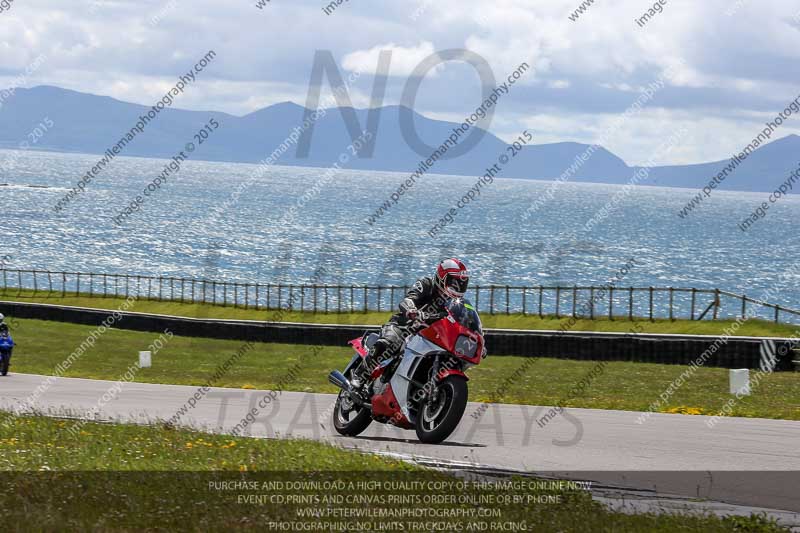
[(348, 419), (438, 417), (6, 361)]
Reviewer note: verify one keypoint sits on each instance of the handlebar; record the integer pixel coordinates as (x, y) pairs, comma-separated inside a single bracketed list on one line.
[(424, 320)]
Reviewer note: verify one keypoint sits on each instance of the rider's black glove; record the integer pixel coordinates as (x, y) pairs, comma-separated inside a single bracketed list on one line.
[(411, 311)]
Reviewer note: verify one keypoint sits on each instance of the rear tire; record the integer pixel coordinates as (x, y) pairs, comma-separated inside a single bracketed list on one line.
[(348, 419), (437, 420)]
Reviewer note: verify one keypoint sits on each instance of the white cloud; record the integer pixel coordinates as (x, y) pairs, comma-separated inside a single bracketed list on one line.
[(734, 67), (403, 62), (558, 84)]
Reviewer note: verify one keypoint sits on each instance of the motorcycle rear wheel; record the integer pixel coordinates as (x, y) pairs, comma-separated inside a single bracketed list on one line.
[(438, 417), (348, 419)]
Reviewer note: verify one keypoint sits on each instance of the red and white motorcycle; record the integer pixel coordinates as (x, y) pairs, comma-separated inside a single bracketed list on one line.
[(427, 390)]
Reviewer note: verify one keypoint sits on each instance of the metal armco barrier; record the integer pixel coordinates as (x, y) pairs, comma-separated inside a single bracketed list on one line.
[(738, 352)]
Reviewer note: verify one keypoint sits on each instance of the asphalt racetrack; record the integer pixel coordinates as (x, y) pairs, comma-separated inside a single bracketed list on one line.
[(743, 461)]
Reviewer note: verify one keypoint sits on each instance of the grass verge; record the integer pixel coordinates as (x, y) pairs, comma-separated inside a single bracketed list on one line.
[(42, 345), (757, 328), (116, 477)]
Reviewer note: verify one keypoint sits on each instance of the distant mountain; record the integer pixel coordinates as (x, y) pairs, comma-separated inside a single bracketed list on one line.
[(763, 170), (91, 124)]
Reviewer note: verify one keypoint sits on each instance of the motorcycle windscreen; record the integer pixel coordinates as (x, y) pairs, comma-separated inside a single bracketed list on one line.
[(464, 313)]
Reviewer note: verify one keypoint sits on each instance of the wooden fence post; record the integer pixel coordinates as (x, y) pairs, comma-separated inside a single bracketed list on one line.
[(671, 299), (574, 301), (558, 302), (630, 304), (611, 303), (541, 301)]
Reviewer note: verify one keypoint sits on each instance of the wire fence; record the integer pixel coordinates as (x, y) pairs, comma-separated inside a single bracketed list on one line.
[(592, 302)]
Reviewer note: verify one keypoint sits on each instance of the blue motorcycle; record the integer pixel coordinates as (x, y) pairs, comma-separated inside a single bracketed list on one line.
[(6, 346)]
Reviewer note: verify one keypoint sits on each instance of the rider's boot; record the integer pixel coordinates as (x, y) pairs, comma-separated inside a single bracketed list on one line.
[(368, 364)]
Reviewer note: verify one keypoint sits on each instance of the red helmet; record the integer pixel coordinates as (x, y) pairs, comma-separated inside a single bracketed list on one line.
[(452, 278)]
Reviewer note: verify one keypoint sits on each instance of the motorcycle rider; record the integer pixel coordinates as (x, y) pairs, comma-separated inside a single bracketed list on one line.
[(423, 303)]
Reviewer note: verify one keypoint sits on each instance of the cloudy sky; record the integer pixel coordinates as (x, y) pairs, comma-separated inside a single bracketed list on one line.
[(727, 65)]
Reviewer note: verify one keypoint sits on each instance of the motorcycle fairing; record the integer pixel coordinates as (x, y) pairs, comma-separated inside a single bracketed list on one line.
[(386, 405), (380, 369), (445, 333), (363, 344), (352, 364), (416, 348), (358, 346)]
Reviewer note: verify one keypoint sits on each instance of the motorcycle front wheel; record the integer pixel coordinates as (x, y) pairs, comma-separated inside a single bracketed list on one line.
[(439, 415), (5, 360)]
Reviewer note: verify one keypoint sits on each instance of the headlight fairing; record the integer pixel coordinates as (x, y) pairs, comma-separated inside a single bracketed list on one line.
[(466, 346)]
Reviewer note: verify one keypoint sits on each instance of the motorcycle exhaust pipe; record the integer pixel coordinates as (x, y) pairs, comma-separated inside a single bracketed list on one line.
[(338, 379)]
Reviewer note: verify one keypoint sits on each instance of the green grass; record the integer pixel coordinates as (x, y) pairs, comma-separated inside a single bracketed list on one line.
[(116, 477), (190, 361), (758, 328), (45, 443)]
